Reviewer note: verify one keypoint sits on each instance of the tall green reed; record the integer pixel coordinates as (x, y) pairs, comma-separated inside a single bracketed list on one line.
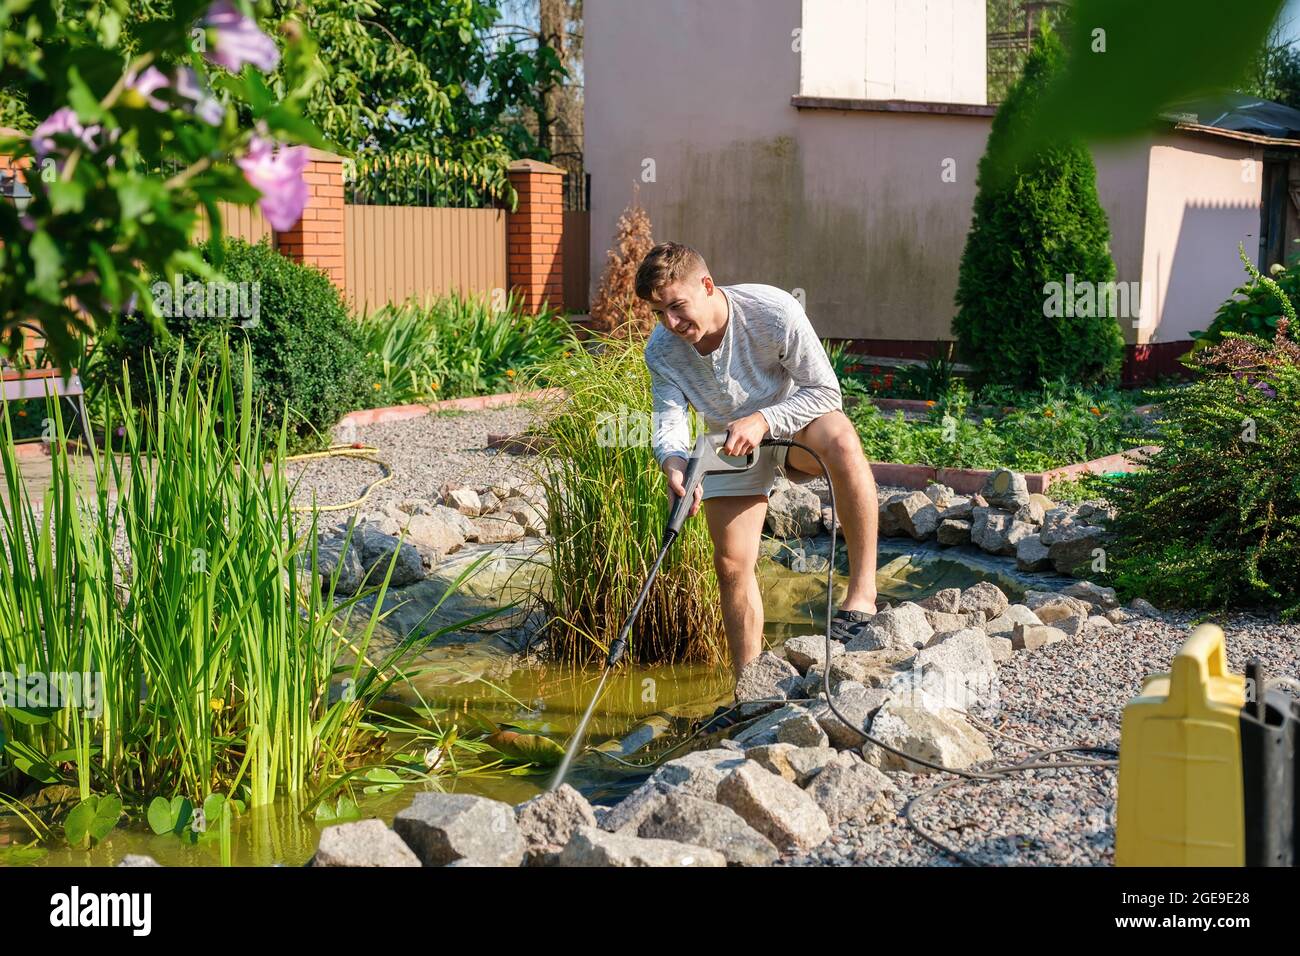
[(607, 509), (177, 572)]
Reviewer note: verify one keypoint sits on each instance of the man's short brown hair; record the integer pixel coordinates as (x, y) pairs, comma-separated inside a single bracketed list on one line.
[(665, 264)]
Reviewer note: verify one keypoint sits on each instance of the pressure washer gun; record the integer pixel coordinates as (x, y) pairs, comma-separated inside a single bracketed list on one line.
[(706, 459)]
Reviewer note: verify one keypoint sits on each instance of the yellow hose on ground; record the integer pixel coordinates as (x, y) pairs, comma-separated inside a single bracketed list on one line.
[(363, 452)]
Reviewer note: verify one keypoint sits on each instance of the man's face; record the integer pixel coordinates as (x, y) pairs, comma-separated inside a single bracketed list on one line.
[(685, 307)]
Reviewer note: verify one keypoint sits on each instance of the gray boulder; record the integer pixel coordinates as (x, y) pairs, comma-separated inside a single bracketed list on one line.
[(590, 846), (914, 515), (548, 820), (1030, 637), (330, 554), (362, 843), (766, 678), (944, 737), (497, 529), (793, 511), (852, 792), (953, 532), (897, 628), (763, 730), (444, 827), (857, 703), (1006, 489), (681, 818), (699, 772), (946, 601), (377, 550), (1032, 554), (1094, 594), (984, 598), (1075, 549), (808, 762), (808, 649), (774, 807), (801, 730)]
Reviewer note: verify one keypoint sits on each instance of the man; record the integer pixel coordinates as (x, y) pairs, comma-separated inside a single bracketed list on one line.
[(747, 359)]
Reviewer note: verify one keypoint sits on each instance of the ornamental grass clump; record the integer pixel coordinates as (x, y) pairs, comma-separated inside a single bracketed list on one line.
[(607, 509)]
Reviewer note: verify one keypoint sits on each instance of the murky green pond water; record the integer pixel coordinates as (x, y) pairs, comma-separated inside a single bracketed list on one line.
[(472, 680)]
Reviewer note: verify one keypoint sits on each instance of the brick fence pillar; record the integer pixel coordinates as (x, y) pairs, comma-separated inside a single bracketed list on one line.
[(317, 238), (535, 234)]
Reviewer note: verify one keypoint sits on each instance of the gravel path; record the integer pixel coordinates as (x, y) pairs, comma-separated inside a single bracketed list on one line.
[(423, 454), (1066, 692)]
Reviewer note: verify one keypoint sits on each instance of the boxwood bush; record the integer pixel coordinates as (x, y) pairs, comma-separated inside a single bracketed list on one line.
[(308, 360)]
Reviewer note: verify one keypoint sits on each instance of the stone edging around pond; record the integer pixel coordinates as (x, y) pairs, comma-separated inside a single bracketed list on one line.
[(922, 677), (1005, 518)]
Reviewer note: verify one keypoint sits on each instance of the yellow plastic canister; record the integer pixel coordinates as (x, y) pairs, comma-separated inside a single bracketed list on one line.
[(1180, 788)]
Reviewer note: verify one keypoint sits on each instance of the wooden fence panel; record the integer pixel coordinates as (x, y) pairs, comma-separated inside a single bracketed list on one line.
[(577, 259), (240, 222), (395, 252)]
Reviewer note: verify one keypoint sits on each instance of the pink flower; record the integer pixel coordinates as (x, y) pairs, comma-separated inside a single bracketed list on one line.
[(237, 39), (147, 83), (62, 120), (277, 174), (206, 106)]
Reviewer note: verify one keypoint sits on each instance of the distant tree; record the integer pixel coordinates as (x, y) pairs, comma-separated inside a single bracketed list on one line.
[(1274, 74), (1037, 221)]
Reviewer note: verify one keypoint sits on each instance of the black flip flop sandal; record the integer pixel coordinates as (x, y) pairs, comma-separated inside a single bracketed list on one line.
[(846, 625)]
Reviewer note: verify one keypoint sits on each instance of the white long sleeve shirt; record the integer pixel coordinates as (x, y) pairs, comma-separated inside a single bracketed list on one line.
[(770, 361)]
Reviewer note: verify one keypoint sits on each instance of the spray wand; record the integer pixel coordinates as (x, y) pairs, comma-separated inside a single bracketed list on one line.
[(706, 459)]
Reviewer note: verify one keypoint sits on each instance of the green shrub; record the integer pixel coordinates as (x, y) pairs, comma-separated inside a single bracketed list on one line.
[(1253, 308), (1034, 224), (1214, 519), (1058, 425), (308, 362), (459, 345)]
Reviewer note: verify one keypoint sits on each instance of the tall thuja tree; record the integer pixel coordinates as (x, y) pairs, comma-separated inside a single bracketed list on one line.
[(1037, 221)]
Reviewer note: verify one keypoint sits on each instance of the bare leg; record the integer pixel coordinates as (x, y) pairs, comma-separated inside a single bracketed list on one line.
[(834, 438), (736, 525)]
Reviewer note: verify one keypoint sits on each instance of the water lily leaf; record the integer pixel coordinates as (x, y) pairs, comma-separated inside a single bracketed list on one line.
[(526, 748), (91, 820), (169, 816), (383, 780), (345, 809)]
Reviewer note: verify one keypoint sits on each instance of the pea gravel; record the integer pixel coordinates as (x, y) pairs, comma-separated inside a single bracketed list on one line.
[(423, 453), (1059, 694)]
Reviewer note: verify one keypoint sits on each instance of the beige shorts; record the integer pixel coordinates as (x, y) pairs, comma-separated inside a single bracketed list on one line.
[(758, 479)]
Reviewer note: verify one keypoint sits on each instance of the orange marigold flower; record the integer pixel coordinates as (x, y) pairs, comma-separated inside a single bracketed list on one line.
[(929, 403), (1095, 410)]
